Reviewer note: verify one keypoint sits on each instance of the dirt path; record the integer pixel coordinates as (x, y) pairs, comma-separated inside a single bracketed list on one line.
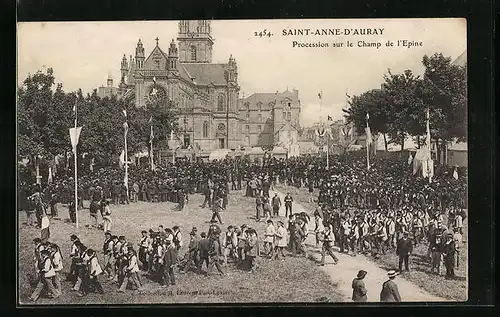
[(346, 270)]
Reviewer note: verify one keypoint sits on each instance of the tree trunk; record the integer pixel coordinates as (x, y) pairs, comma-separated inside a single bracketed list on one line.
[(402, 143), (418, 141), (385, 142)]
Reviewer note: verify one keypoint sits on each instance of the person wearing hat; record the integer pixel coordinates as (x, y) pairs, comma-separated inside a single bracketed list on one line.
[(328, 240), (390, 292), (106, 217), (57, 262), (143, 250), (215, 253), (107, 249), (192, 253), (93, 270), (46, 276), (203, 248), (169, 260), (280, 240), (449, 256), (288, 204), (251, 248), (358, 288), (269, 239), (276, 203), (403, 251), (130, 270)]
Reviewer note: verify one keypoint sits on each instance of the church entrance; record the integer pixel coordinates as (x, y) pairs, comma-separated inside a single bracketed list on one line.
[(222, 143)]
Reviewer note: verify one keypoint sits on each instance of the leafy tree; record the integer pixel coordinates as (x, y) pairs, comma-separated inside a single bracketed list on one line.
[(374, 102), (405, 108), (444, 91)]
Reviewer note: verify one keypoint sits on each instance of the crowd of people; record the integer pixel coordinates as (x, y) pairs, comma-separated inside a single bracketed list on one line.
[(358, 210)]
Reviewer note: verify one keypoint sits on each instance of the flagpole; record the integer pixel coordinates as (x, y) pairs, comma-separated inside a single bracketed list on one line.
[(76, 172), (429, 144), (367, 146), (125, 131)]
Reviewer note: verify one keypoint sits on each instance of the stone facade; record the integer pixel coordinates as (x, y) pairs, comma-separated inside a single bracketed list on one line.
[(200, 89), (270, 118)]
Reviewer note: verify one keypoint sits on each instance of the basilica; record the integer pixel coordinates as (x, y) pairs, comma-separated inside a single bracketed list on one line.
[(211, 113)]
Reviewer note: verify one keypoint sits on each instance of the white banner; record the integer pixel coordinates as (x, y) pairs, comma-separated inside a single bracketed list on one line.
[(74, 135)]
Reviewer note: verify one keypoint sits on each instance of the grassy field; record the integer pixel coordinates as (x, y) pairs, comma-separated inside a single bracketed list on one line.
[(292, 280), (419, 265)]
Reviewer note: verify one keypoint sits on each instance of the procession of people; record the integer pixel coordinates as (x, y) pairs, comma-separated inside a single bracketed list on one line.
[(384, 209)]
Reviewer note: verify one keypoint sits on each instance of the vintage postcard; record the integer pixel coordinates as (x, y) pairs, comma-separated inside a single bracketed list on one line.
[(242, 161)]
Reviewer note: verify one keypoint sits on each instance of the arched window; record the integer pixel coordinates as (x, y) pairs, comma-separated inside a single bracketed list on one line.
[(289, 116), (220, 103), (259, 106), (247, 129), (247, 106), (259, 117), (247, 117), (260, 129), (205, 129), (247, 140), (193, 53)]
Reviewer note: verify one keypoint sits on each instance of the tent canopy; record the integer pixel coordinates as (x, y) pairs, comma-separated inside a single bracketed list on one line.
[(219, 154)]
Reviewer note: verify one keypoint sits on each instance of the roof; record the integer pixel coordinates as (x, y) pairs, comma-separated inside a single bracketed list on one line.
[(461, 60), (459, 146), (288, 126), (266, 98), (205, 74)]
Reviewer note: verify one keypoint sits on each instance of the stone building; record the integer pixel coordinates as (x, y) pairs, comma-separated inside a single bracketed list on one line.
[(270, 119), (205, 93)]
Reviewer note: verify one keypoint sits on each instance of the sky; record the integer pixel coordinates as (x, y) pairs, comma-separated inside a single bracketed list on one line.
[(84, 54)]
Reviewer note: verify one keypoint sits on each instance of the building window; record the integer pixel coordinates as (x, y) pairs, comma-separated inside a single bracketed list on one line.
[(289, 105), (193, 53), (259, 106), (247, 129), (247, 106), (205, 129), (289, 116), (220, 103), (260, 129), (247, 117), (247, 140), (259, 117)]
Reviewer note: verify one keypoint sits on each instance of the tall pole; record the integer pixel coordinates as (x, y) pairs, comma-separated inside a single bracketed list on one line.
[(76, 173), (125, 128), (367, 143), (428, 145), (227, 114)]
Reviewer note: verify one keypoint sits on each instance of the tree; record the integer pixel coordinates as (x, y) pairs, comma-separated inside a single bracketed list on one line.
[(373, 102), (35, 135), (405, 107), (444, 92)]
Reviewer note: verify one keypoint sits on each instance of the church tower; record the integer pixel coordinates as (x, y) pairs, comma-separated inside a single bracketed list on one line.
[(173, 56), (139, 55), (195, 41)]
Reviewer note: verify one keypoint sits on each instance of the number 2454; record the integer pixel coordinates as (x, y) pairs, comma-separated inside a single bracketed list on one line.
[(263, 33)]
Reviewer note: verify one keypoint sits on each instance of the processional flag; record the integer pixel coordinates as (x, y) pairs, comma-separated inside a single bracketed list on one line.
[(45, 228)]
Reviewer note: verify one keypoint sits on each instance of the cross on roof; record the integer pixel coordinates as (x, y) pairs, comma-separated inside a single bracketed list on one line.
[(157, 39)]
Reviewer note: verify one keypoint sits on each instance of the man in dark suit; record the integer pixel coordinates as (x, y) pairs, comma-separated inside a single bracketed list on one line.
[(390, 292), (449, 256), (404, 249), (169, 260)]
